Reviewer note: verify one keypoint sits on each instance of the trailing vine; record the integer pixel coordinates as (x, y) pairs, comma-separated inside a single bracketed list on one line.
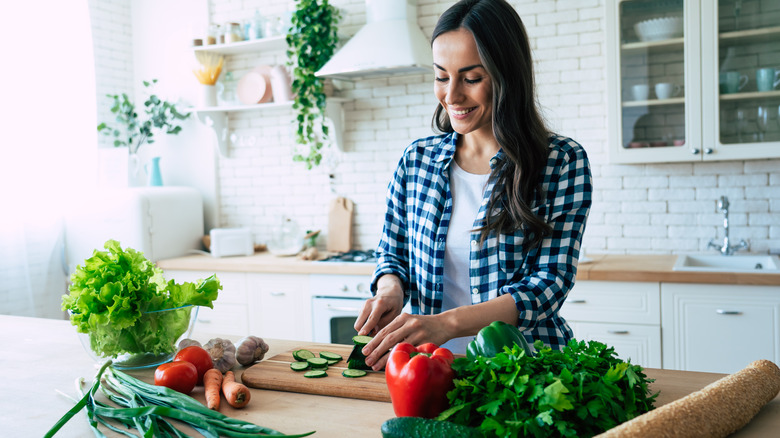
[(311, 39)]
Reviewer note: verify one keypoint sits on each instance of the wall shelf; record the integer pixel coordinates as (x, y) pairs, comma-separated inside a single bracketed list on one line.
[(259, 45), (216, 118)]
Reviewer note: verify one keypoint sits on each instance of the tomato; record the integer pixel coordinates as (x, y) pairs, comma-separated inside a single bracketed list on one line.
[(197, 356), (180, 376)]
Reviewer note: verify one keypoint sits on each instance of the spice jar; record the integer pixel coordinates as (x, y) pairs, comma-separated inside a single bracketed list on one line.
[(233, 33), (212, 34)]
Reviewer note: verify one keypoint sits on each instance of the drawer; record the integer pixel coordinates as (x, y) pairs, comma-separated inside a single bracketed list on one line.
[(638, 342), (614, 301), (223, 319)]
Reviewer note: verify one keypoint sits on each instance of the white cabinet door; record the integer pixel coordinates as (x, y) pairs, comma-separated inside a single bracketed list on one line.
[(623, 315), (230, 315), (641, 343), (719, 328), (281, 306)]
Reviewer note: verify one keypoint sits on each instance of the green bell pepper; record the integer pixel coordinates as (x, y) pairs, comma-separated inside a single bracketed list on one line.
[(492, 339)]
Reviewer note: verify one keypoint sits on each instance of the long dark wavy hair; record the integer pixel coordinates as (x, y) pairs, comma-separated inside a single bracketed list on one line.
[(505, 53)]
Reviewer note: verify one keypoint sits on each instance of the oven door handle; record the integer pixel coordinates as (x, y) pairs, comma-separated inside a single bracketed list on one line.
[(343, 308)]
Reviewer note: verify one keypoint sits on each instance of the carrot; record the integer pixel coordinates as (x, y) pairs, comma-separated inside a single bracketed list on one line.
[(212, 383), (236, 394)]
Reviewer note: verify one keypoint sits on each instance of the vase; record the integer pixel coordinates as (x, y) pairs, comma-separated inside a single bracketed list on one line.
[(153, 172)]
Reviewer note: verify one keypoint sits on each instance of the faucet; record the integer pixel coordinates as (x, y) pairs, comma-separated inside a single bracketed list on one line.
[(726, 248)]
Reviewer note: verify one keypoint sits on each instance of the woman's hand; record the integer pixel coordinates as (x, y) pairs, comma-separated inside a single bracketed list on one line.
[(414, 329), (382, 308)]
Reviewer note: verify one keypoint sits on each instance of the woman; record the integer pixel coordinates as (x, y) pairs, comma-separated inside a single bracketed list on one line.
[(484, 221)]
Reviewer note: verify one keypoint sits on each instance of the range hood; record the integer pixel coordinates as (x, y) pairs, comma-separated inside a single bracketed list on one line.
[(390, 43)]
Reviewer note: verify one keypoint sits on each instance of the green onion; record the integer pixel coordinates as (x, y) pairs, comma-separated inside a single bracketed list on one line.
[(147, 408)]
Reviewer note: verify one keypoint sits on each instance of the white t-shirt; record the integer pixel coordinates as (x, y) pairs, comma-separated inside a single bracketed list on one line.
[(467, 192)]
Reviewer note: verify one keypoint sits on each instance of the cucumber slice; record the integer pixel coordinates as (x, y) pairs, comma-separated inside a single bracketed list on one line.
[(317, 363), (361, 340), (313, 374), (302, 354), (353, 373), (299, 366), (333, 361), (330, 356)]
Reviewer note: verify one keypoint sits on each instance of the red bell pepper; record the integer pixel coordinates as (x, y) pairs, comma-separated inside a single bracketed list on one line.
[(419, 379)]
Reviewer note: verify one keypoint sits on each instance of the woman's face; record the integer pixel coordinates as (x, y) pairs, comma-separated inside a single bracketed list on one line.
[(462, 84)]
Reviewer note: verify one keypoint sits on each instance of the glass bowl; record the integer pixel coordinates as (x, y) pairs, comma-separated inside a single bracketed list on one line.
[(139, 340)]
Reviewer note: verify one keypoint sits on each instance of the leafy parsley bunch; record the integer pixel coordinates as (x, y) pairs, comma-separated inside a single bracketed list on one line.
[(581, 390)]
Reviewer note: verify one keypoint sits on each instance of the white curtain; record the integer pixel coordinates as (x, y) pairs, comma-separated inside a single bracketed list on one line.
[(48, 143)]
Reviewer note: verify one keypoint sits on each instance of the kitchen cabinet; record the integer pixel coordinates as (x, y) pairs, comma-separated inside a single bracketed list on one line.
[(625, 315), (708, 53), (217, 118), (280, 306), (719, 328), (231, 313)]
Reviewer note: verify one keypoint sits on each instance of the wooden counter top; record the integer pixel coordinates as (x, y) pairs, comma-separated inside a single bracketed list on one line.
[(45, 355), (603, 267)]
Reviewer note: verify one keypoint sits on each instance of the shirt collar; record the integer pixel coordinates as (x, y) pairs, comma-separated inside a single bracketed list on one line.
[(447, 151)]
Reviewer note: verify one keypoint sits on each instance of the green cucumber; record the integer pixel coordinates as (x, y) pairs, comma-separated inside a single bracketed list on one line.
[(299, 366), (314, 374), (356, 360), (332, 361), (330, 356), (416, 427), (361, 340), (353, 373), (302, 354), (317, 363)]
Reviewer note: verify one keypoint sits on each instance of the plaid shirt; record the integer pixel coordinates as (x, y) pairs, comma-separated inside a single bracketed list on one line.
[(419, 206)]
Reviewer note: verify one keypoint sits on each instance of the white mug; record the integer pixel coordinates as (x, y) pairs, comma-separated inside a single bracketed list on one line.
[(640, 91), (665, 90)]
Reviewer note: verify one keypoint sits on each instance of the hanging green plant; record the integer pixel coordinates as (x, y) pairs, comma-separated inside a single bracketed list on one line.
[(131, 130), (311, 39)]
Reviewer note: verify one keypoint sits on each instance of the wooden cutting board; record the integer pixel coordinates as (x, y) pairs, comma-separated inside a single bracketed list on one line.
[(275, 374)]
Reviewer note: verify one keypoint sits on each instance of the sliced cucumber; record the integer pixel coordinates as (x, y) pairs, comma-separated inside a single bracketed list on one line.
[(361, 340), (333, 361), (302, 354), (313, 374), (317, 363), (299, 366), (353, 373), (330, 356)]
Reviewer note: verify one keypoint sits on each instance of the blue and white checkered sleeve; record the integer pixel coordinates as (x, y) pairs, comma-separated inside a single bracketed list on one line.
[(538, 296), (392, 252)]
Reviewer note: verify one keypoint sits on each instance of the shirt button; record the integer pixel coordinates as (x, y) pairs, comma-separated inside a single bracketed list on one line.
[(475, 290), (473, 243), (492, 161), (484, 202)]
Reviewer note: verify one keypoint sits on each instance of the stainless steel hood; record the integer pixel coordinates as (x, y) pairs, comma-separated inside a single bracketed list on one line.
[(390, 43)]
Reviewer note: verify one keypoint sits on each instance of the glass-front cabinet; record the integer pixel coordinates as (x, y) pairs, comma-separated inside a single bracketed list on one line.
[(693, 80)]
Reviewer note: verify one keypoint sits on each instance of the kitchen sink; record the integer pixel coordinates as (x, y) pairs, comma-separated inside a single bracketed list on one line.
[(764, 264)]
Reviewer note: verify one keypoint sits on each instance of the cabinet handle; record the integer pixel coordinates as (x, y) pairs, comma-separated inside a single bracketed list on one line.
[(695, 151), (277, 294), (617, 332), (708, 151), (728, 312), (578, 301), (204, 321), (343, 309)]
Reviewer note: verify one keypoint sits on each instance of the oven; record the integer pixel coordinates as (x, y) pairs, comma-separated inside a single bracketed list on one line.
[(336, 301)]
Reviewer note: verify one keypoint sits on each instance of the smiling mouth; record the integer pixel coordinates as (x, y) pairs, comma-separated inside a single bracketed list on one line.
[(462, 112)]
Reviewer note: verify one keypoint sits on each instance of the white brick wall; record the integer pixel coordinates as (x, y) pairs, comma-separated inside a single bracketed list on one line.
[(111, 41), (654, 208)]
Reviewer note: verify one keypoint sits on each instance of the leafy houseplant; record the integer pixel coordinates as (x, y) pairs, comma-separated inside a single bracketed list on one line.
[(161, 115), (312, 39)]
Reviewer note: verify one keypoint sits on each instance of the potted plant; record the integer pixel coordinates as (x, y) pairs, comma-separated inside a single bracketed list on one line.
[(311, 39), (133, 131)]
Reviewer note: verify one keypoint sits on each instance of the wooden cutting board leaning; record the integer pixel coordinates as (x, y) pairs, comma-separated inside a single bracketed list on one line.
[(275, 374), (340, 225)]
